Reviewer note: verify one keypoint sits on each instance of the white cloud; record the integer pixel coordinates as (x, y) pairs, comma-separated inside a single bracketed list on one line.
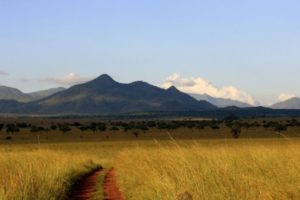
[(2, 73), (198, 85), (68, 80), (285, 96)]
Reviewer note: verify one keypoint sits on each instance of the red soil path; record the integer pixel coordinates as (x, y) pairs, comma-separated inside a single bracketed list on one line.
[(86, 186), (111, 189)]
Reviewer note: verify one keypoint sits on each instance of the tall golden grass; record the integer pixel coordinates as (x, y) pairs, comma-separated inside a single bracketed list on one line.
[(207, 169), (237, 170), (40, 174)]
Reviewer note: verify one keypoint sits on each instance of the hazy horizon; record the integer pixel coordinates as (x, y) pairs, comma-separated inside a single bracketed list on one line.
[(246, 51)]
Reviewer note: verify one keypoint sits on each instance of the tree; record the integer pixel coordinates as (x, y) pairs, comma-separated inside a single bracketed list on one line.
[(236, 131), (151, 124), (114, 128), (22, 125), (83, 128), (53, 127), (93, 127), (64, 128), (34, 129), (280, 127), (102, 127), (76, 124), (11, 128), (8, 138), (230, 118)]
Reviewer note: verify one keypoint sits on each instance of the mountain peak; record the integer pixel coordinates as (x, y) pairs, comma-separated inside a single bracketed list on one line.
[(173, 88), (103, 81), (104, 77)]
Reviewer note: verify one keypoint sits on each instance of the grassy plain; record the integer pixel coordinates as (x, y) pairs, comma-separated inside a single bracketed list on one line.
[(244, 169), (158, 164)]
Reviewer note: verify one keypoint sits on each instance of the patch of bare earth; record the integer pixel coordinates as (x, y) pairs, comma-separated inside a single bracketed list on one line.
[(111, 189)]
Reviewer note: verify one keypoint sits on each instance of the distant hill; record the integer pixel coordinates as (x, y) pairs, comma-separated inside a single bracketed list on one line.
[(45, 93), (9, 93), (293, 103), (103, 95), (220, 102)]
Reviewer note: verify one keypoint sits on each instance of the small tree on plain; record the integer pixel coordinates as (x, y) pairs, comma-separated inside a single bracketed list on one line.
[(236, 131), (64, 128), (280, 128), (11, 128)]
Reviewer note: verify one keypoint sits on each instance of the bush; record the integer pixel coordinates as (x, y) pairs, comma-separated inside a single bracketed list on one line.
[(236, 131), (102, 127), (280, 128), (8, 138), (136, 134), (214, 126), (114, 128), (64, 128), (12, 128)]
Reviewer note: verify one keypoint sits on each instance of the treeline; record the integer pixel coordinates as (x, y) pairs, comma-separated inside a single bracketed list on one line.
[(232, 122)]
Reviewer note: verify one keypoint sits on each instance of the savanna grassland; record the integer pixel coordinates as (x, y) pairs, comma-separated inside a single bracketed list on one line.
[(162, 160)]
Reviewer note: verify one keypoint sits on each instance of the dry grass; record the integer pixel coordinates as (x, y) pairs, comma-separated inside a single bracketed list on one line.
[(244, 169), (207, 169), (40, 174)]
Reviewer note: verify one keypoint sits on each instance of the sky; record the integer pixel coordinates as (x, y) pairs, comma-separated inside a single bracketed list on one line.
[(244, 50)]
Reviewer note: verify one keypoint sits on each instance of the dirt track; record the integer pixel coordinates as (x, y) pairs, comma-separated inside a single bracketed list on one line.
[(111, 189), (86, 187)]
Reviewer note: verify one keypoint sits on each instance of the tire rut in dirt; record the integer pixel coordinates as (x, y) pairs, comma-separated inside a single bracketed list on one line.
[(111, 189), (86, 186)]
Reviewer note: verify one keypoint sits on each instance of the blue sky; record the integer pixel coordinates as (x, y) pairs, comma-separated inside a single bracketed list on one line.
[(250, 45)]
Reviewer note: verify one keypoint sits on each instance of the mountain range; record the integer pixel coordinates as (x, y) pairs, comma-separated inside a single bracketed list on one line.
[(9, 93), (104, 95)]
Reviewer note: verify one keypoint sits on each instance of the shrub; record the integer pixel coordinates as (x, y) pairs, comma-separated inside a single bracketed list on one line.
[(280, 127), (136, 134), (11, 128), (236, 131), (114, 128), (8, 138), (64, 128)]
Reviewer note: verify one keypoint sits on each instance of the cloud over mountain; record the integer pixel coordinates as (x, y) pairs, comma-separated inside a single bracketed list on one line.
[(285, 96), (68, 80), (198, 85)]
